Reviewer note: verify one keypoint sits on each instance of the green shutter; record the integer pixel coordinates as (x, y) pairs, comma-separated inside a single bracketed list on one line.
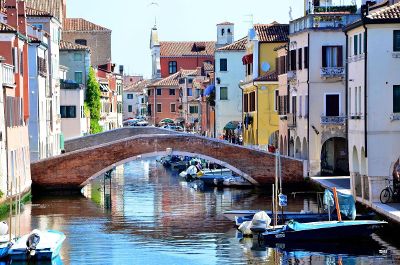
[(61, 141)]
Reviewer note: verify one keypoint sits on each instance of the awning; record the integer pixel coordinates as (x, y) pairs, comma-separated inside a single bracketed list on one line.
[(232, 125), (247, 59), (167, 120), (209, 90)]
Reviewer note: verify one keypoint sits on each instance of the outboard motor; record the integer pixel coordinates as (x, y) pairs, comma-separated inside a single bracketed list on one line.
[(31, 243)]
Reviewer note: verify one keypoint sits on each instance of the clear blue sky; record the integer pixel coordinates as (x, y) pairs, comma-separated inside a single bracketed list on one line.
[(177, 20)]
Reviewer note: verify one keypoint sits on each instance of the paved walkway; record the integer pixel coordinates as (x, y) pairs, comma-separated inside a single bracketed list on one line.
[(391, 210)]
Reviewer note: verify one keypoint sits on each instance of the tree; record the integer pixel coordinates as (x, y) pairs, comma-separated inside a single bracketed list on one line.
[(93, 102)]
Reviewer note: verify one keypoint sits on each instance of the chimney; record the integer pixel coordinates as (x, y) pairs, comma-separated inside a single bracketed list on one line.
[(12, 13), (22, 17)]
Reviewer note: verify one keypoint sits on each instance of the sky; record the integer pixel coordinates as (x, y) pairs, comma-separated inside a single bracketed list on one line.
[(177, 20)]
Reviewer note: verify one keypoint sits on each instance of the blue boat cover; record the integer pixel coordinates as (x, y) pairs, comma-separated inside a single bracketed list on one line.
[(347, 204), (209, 90), (296, 226)]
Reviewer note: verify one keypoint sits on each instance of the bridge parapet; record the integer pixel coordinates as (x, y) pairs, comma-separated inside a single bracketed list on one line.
[(74, 169)]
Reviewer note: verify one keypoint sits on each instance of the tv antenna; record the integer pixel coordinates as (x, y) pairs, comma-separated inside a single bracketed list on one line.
[(154, 5)]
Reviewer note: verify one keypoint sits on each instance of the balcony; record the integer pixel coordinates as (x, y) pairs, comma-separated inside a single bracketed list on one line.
[(69, 84), (332, 73), (333, 120), (291, 120), (8, 76)]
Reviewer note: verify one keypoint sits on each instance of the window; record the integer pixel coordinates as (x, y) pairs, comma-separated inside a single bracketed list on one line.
[(293, 60), (149, 92), (355, 101), (359, 99), (189, 92), (349, 100), (300, 59), (190, 81), (396, 40), (223, 93), (332, 105), (355, 44), (194, 109), (223, 65), (81, 42), (249, 69), (159, 92), (300, 105), (294, 105), (332, 56), (149, 109), (159, 109), (276, 100), (305, 57), (172, 67), (38, 26), (172, 91), (77, 56), (306, 106), (130, 96), (396, 99), (222, 32), (129, 108), (360, 43), (246, 102), (173, 107), (78, 77), (68, 111), (252, 101)]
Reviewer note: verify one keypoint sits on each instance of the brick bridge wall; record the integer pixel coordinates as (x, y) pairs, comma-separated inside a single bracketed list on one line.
[(74, 169)]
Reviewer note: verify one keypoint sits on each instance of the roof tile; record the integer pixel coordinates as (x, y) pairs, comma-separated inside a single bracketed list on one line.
[(185, 48), (390, 12), (68, 46), (238, 45), (173, 80), (80, 24), (273, 32), (52, 7), (6, 28)]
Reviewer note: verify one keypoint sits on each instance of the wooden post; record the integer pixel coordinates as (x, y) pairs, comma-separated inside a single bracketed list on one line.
[(337, 204)]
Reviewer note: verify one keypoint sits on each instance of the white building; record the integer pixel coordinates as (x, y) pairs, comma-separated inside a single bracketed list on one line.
[(135, 100), (52, 25), (39, 128), (76, 58), (6, 80), (228, 95), (373, 89), (317, 97)]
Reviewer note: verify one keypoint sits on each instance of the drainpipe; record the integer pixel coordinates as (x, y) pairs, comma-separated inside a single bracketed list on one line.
[(346, 90), (308, 104), (365, 88), (256, 102)]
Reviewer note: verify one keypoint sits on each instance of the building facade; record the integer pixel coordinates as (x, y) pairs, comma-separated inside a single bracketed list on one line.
[(373, 99), (228, 95)]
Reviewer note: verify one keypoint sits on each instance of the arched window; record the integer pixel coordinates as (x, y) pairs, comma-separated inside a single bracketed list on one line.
[(81, 41), (222, 32)]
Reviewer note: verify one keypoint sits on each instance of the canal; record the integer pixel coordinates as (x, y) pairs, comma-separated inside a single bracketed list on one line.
[(146, 215)]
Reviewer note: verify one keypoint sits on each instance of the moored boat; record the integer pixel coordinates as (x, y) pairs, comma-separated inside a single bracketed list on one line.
[(37, 245), (322, 231)]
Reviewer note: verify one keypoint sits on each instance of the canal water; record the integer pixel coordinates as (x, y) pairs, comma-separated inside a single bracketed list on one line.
[(146, 215)]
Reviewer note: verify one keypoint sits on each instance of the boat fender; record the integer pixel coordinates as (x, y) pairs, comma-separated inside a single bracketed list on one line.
[(31, 243), (3, 228)]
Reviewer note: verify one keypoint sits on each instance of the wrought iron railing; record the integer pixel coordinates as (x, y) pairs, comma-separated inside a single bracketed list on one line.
[(333, 120), (332, 72)]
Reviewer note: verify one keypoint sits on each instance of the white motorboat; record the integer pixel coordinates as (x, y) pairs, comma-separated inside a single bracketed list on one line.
[(37, 245)]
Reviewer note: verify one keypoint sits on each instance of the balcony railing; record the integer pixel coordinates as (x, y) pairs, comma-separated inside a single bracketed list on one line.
[(291, 75), (8, 75), (333, 120), (332, 72), (67, 84), (291, 120)]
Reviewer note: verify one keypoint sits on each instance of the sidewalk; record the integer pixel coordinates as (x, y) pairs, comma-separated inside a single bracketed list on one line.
[(391, 210)]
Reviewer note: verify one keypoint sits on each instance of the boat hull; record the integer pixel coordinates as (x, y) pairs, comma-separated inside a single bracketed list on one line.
[(349, 230)]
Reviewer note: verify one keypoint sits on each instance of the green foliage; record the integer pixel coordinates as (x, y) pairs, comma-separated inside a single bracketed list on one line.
[(211, 99), (93, 102)]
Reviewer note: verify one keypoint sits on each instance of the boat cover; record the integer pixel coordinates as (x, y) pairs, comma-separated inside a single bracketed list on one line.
[(347, 204)]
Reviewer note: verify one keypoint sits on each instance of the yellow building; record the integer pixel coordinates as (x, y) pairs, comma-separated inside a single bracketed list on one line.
[(260, 89)]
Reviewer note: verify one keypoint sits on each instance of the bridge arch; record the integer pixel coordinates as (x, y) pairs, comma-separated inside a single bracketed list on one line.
[(99, 153)]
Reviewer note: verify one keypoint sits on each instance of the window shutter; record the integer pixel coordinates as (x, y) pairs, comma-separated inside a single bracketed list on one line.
[(323, 56), (277, 65), (305, 57), (340, 56), (300, 62)]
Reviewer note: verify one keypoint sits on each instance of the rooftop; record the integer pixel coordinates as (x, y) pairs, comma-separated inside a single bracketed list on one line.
[(390, 12), (173, 80), (80, 24), (45, 8), (68, 46), (225, 23), (137, 87), (271, 76), (186, 48), (4, 28), (31, 12), (273, 32), (238, 45)]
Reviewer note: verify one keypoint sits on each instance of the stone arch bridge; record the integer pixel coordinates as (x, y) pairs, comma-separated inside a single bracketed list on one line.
[(90, 156)]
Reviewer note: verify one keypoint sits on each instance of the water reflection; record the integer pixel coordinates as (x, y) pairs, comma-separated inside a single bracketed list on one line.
[(147, 215)]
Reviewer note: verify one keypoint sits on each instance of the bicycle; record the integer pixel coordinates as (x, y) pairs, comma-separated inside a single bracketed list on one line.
[(388, 193)]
